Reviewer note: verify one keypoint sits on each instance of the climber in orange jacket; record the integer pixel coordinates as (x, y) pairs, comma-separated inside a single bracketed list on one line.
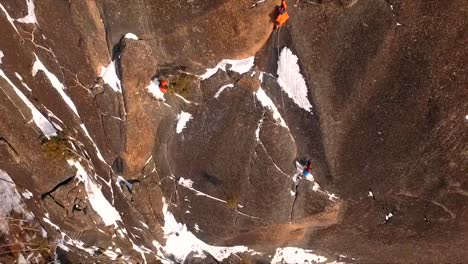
[(282, 15)]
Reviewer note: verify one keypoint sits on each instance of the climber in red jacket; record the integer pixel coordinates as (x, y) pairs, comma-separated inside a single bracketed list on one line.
[(163, 86)]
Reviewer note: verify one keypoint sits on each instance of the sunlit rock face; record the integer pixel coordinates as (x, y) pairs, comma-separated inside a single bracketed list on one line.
[(98, 164)]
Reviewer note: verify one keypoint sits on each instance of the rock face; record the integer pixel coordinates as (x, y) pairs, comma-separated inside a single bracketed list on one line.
[(95, 168), (141, 111)]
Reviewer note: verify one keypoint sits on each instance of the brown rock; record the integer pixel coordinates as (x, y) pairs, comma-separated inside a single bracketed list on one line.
[(137, 68)]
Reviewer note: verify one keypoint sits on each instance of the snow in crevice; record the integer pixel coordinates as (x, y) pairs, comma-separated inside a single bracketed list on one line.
[(291, 80), (218, 93), (144, 224), (293, 255), (21, 80), (39, 66), (259, 141), (98, 152), (131, 36), (9, 18), (138, 229), (53, 117), (180, 242), (99, 203), (110, 77), (266, 102), (388, 216), (10, 201), (121, 181), (239, 66), (141, 251), (183, 99), (27, 194), (66, 241), (47, 220), (30, 18), (257, 131), (153, 89), (39, 120), (182, 120), (187, 183)]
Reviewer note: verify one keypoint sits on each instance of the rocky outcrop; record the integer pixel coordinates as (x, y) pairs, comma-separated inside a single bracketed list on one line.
[(137, 68), (381, 88), (211, 31), (147, 179)]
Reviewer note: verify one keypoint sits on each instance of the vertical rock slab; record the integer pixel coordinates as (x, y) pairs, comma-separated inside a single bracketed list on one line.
[(137, 67)]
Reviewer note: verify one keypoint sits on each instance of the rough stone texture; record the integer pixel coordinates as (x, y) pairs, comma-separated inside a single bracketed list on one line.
[(382, 90), (137, 68), (210, 30), (387, 80)]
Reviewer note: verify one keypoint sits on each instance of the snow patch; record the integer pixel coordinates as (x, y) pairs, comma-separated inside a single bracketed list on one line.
[(27, 194), (187, 183), (47, 220), (1, 56), (22, 81), (182, 120), (141, 251), (78, 244), (153, 89), (121, 181), (296, 255), (268, 103), (180, 242), (103, 208), (111, 254), (41, 122), (388, 216), (257, 131), (371, 194), (39, 66), (131, 36), (11, 201), (110, 77), (240, 66), (144, 224), (43, 233), (183, 99), (98, 152), (30, 18), (291, 80), (21, 259), (222, 89), (9, 18)]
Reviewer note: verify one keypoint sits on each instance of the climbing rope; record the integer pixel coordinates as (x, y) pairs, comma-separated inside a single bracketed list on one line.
[(281, 92)]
